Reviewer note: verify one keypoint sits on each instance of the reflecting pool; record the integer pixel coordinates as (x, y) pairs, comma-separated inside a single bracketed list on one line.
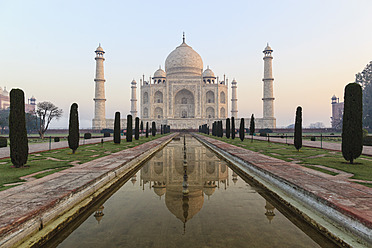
[(221, 209)]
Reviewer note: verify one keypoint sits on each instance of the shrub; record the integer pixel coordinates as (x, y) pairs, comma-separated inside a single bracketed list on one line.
[(107, 130), (265, 130), (117, 128), (263, 134), (153, 128), (87, 136), (367, 141), (17, 128), (129, 128), (3, 142), (106, 134), (147, 129), (56, 139), (241, 129), (352, 132), (312, 138), (228, 128), (136, 128), (232, 128), (298, 129), (73, 128)]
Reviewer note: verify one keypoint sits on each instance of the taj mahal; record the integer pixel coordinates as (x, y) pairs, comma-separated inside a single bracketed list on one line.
[(185, 95)]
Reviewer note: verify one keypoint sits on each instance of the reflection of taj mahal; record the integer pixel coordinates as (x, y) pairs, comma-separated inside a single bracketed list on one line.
[(185, 95), (164, 173)]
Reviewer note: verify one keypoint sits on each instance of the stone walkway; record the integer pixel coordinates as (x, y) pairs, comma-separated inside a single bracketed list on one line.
[(38, 147), (367, 150), (350, 199), (25, 207)]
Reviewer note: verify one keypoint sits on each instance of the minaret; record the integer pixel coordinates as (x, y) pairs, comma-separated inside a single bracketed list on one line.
[(99, 120), (268, 95), (133, 100), (234, 100)]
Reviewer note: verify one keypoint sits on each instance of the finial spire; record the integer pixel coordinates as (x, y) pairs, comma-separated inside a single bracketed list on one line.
[(159, 66), (99, 44), (183, 37)]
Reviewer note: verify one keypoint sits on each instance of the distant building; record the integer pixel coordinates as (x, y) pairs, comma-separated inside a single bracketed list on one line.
[(5, 101), (337, 112)]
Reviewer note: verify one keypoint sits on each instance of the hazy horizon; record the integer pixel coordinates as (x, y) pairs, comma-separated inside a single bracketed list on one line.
[(319, 46)]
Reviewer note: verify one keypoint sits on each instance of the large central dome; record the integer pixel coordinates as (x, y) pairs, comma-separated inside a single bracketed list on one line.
[(184, 60)]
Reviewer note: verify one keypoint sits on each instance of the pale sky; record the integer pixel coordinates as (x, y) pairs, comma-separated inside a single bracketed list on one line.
[(48, 49)]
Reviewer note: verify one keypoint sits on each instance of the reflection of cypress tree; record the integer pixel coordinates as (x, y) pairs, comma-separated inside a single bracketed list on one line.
[(232, 127), (129, 128), (17, 128), (117, 128), (298, 129), (352, 132), (73, 128), (141, 127), (136, 128)]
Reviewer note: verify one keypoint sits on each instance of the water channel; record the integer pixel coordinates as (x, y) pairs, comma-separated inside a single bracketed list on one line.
[(221, 209)]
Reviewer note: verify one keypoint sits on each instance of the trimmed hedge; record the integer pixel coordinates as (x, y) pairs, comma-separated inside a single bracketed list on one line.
[(106, 134), (56, 139), (87, 136), (3, 142)]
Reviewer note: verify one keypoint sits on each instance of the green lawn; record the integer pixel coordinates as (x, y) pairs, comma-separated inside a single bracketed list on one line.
[(57, 160), (362, 169)]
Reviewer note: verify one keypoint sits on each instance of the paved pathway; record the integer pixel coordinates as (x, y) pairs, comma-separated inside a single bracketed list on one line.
[(367, 150), (38, 147), (28, 204), (350, 199)]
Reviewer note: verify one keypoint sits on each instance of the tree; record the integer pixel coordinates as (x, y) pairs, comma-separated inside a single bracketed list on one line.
[(252, 127), (141, 127), (232, 128), (153, 128), (117, 128), (46, 112), (129, 128), (17, 129), (73, 128), (352, 130), (136, 128), (241, 129), (161, 129), (147, 129), (298, 129), (364, 78), (228, 128), (221, 129)]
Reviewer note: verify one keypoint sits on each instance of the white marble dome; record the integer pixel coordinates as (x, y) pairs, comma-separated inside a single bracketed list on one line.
[(208, 73), (160, 73), (184, 60)]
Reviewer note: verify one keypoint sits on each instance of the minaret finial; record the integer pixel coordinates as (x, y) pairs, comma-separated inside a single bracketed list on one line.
[(159, 66), (183, 37), (99, 44)]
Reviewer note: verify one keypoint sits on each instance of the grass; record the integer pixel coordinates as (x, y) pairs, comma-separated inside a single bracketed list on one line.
[(362, 169), (57, 160), (321, 170)]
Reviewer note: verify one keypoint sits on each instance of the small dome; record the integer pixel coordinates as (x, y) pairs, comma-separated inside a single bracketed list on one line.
[(160, 73), (33, 98), (99, 49), (209, 190), (208, 73), (160, 190), (268, 48), (334, 97), (133, 82), (5, 92), (234, 81)]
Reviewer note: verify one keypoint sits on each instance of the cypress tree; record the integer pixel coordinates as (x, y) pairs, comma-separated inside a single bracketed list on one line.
[(352, 130), (161, 129), (141, 127), (136, 128), (117, 128), (298, 129), (17, 128), (221, 129), (129, 128), (153, 128), (241, 129), (228, 128), (232, 128), (252, 127), (147, 129), (73, 128)]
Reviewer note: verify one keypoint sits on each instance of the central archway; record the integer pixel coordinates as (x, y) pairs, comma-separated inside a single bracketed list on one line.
[(184, 104)]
